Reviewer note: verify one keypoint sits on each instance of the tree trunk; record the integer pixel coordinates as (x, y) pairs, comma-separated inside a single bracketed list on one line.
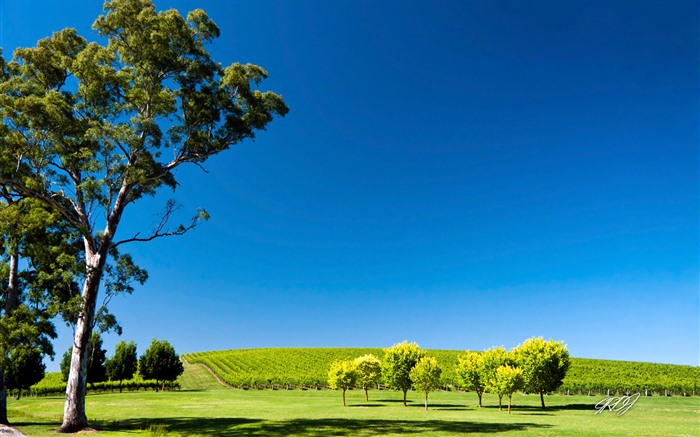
[(3, 400), (366, 394), (426, 401), (74, 417), (510, 397), (344, 397), (11, 302), (404, 397), (479, 394), (500, 403), (542, 398), (12, 293)]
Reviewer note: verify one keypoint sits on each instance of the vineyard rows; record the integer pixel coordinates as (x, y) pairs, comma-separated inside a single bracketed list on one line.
[(308, 368)]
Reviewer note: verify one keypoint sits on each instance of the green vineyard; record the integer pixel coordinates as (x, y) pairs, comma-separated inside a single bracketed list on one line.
[(308, 368)]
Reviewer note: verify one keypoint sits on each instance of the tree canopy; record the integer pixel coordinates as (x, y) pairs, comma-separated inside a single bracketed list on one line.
[(544, 364), (342, 375), (369, 371), (160, 362), (397, 364), (470, 371), (124, 363), (426, 376)]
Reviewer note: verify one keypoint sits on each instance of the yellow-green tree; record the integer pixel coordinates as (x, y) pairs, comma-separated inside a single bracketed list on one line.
[(342, 376), (469, 370), (398, 362), (544, 364), (494, 358), (369, 370), (426, 376), (507, 381)]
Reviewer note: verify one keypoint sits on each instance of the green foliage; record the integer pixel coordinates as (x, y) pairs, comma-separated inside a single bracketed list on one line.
[(25, 368), (342, 376), (544, 364), (369, 372), (96, 370), (425, 376), (53, 384), (469, 371), (160, 362), (397, 364), (65, 364), (124, 363)]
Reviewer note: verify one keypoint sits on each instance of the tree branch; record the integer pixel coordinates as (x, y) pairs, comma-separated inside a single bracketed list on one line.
[(161, 231)]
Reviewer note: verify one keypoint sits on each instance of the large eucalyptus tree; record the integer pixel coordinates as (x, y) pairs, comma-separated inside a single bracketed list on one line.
[(89, 129)]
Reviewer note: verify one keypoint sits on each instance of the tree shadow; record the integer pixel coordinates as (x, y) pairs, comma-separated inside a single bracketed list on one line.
[(576, 407), (231, 427)]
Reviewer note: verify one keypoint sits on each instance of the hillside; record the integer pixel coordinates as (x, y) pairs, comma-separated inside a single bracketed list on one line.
[(308, 367)]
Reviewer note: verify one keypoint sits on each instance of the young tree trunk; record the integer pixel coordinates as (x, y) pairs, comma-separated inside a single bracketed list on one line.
[(344, 397), (500, 403), (510, 400), (480, 394), (74, 417), (542, 398), (426, 401), (366, 394), (404, 398)]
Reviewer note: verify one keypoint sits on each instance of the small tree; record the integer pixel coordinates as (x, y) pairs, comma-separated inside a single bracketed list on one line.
[(96, 372), (493, 359), (342, 376), (123, 364), (25, 369), (469, 369), (160, 362), (544, 364), (426, 376), (506, 382), (369, 370), (397, 364)]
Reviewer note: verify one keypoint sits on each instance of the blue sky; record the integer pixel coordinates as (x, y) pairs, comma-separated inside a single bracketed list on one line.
[(460, 174)]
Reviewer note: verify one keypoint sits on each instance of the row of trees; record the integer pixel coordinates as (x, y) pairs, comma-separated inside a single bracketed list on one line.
[(83, 128), (537, 366), (159, 362)]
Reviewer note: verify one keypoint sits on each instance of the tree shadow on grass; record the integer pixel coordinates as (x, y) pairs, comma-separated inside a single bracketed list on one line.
[(229, 427), (576, 407)]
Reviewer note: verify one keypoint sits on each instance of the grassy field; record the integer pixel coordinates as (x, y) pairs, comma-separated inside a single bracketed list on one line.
[(205, 408)]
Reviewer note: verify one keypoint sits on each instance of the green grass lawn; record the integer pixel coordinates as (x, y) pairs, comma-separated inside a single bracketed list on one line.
[(204, 408)]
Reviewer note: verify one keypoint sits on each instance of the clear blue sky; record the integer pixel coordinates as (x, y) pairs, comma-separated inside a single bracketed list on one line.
[(460, 174)]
